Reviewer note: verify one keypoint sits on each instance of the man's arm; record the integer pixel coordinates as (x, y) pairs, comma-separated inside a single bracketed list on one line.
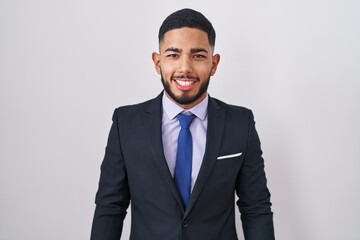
[(254, 196), (113, 197)]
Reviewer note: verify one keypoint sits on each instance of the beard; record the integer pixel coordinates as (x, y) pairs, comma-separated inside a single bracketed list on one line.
[(186, 98)]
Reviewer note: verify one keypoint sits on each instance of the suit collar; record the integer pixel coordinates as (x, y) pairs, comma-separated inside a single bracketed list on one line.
[(155, 105)]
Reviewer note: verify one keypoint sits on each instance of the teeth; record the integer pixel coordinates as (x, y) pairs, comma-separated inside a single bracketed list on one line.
[(184, 83)]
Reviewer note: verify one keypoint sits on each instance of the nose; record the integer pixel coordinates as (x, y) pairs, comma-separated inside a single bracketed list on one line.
[(185, 65)]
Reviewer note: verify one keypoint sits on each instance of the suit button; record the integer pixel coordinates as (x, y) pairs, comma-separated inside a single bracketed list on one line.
[(186, 223)]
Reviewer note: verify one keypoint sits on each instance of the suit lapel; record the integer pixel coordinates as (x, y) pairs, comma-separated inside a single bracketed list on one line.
[(152, 118), (215, 128)]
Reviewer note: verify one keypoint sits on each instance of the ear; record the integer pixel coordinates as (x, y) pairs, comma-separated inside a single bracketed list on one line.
[(215, 62), (156, 60)]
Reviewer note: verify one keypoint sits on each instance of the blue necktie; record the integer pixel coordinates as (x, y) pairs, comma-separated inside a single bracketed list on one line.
[(184, 158)]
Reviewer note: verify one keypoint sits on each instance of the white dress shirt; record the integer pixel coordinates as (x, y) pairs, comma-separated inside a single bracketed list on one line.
[(170, 132)]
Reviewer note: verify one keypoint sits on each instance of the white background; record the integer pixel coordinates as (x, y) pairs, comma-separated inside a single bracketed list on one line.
[(66, 65)]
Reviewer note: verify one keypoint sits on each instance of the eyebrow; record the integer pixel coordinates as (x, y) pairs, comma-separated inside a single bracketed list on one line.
[(171, 49), (197, 50), (193, 50)]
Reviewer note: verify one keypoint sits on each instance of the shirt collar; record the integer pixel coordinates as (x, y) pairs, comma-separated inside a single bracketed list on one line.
[(172, 109)]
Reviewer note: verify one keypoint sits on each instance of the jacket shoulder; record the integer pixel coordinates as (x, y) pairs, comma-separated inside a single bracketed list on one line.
[(134, 107), (137, 109), (231, 108)]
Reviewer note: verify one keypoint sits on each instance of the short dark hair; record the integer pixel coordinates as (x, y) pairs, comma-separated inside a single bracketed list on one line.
[(187, 18)]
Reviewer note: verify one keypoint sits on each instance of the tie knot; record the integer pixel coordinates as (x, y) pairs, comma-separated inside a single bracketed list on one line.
[(185, 120)]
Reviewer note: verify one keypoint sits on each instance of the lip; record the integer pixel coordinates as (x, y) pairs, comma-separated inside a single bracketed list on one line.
[(190, 84)]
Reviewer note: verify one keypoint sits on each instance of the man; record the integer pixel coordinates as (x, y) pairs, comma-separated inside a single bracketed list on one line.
[(180, 158)]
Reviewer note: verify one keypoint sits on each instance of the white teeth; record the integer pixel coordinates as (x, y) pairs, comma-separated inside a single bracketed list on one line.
[(184, 83)]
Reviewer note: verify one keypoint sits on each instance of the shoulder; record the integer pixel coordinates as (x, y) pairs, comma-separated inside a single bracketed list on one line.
[(236, 117), (230, 109), (136, 109)]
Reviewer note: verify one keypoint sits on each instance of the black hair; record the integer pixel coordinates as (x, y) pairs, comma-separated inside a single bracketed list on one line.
[(187, 18)]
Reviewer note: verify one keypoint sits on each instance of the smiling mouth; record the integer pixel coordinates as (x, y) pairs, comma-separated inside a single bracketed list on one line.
[(185, 81)]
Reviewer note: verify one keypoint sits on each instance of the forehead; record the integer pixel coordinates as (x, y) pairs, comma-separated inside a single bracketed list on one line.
[(185, 38)]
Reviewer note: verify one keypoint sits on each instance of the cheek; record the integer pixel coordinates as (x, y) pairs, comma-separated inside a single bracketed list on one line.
[(204, 70), (167, 70), (164, 73)]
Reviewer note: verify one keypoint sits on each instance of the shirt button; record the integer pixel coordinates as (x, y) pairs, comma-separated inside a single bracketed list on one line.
[(186, 223)]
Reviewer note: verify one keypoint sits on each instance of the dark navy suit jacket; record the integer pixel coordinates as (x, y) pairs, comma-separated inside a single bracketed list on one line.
[(134, 170)]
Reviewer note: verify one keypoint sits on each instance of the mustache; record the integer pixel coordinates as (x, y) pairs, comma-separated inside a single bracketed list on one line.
[(185, 76)]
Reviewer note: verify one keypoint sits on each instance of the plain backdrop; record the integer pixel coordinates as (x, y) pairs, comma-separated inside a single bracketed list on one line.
[(66, 65)]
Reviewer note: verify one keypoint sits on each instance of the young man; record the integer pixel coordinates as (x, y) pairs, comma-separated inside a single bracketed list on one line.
[(181, 157)]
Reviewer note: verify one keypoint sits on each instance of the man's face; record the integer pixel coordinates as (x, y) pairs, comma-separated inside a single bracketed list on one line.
[(185, 63)]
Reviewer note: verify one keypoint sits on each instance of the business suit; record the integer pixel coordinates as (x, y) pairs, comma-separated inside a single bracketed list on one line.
[(134, 168)]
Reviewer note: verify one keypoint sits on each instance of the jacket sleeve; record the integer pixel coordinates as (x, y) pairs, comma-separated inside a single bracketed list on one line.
[(254, 197), (113, 197)]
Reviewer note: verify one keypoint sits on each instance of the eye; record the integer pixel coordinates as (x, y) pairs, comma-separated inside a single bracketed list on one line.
[(199, 56), (172, 55)]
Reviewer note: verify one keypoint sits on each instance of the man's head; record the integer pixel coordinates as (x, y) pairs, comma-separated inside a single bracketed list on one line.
[(186, 57)]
